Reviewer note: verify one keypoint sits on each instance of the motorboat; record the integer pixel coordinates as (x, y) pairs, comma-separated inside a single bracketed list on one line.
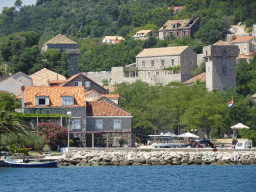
[(25, 163)]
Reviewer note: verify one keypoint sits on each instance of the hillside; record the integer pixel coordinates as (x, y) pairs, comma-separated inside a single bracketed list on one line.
[(87, 21)]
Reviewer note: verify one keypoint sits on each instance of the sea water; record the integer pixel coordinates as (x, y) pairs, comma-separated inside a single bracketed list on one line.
[(130, 178)]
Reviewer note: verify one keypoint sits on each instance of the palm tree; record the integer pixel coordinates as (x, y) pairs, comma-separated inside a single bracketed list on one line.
[(8, 122)]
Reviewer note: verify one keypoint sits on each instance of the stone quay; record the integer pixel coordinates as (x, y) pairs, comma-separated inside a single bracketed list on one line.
[(125, 157)]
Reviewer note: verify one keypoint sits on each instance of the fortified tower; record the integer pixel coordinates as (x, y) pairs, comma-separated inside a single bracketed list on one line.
[(220, 66), (62, 43)]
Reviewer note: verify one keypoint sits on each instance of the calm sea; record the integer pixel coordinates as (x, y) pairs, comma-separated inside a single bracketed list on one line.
[(130, 178)]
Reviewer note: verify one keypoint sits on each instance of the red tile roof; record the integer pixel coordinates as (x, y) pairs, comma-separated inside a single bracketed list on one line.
[(242, 39), (102, 108), (201, 77), (54, 94), (254, 95), (110, 95)]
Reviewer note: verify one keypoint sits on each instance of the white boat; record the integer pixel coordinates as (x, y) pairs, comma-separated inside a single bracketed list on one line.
[(243, 144), (162, 145)]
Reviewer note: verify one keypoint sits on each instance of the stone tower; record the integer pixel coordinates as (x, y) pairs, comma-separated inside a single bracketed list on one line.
[(61, 42), (220, 66)]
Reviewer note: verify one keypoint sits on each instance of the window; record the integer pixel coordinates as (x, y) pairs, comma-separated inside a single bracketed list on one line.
[(149, 74), (117, 123), (143, 64), (157, 73), (172, 61), (224, 70), (78, 83), (67, 100), (173, 26), (87, 84), (184, 33), (152, 63), (99, 124), (42, 101), (162, 62), (76, 123), (178, 34)]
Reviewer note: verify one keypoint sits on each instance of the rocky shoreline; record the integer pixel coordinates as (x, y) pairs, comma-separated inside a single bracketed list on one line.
[(162, 157)]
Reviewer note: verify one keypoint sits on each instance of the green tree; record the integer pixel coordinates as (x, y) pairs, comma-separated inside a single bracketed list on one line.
[(206, 111), (18, 4)]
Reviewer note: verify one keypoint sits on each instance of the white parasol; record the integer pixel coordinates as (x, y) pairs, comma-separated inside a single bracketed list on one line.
[(239, 126), (187, 135)]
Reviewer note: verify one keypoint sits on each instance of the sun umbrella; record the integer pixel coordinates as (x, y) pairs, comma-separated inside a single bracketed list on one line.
[(187, 135), (239, 126)]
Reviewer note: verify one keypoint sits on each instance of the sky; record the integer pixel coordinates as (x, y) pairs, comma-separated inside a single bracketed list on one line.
[(10, 3)]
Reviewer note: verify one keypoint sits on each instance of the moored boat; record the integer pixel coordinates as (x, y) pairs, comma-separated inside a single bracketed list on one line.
[(28, 164)]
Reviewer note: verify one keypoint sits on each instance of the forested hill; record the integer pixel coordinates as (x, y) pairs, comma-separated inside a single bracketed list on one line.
[(86, 21)]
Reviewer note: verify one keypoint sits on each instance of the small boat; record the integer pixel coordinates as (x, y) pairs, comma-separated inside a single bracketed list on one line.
[(25, 163)]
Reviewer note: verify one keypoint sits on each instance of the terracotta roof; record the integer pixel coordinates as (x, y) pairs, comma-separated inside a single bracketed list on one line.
[(60, 39), (162, 51), (57, 81), (67, 93), (42, 94), (41, 78), (87, 92), (119, 38), (110, 95), (201, 77), (102, 108), (254, 95), (54, 94), (242, 39), (178, 8)]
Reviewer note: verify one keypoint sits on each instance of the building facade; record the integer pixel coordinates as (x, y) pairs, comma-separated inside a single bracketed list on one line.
[(220, 65), (179, 28)]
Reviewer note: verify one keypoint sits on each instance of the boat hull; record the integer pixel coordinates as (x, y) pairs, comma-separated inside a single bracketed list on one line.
[(15, 164)]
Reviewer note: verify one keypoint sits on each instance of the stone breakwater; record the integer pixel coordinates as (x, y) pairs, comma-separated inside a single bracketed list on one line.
[(124, 158)]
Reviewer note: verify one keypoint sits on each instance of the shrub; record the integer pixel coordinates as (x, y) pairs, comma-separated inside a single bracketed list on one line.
[(53, 133), (23, 150)]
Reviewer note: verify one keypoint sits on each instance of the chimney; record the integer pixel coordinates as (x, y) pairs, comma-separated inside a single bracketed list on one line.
[(116, 37), (23, 98)]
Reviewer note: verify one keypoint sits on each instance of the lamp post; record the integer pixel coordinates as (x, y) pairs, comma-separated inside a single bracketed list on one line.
[(69, 114)]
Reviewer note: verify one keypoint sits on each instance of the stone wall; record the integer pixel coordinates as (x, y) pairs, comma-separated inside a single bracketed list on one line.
[(115, 156), (98, 77)]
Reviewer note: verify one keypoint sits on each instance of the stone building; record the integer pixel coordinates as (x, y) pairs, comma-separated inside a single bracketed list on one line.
[(179, 28), (245, 45), (143, 34), (98, 121), (62, 43), (154, 65), (159, 63), (45, 76), (83, 81), (112, 39), (220, 66), (14, 83)]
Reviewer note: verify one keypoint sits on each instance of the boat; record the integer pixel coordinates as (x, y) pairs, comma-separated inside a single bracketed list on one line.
[(25, 163)]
